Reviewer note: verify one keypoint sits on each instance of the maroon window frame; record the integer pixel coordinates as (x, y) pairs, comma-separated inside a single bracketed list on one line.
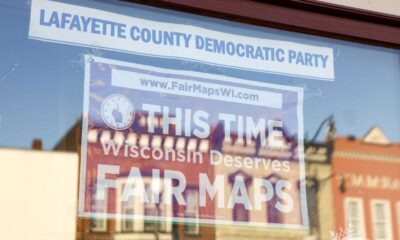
[(304, 16)]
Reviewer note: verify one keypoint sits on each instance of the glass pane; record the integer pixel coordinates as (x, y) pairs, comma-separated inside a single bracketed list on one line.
[(355, 228), (380, 212), (125, 121), (353, 209), (380, 230)]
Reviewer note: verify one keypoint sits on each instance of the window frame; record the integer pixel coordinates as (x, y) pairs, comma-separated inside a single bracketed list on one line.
[(360, 206), (189, 225), (103, 220), (149, 224), (137, 223), (309, 17), (388, 218), (123, 221)]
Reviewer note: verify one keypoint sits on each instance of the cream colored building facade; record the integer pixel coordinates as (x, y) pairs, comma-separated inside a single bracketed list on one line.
[(39, 194), (319, 168), (383, 6)]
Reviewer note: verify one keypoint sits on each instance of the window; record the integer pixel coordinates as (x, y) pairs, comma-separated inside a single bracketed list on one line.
[(54, 90), (127, 208), (354, 217), (192, 212), (239, 211), (99, 224), (381, 219), (163, 211), (151, 209)]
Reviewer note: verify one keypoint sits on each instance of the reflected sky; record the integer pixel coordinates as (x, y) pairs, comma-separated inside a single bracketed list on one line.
[(41, 83)]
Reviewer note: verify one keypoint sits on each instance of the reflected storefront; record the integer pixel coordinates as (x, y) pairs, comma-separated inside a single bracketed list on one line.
[(126, 121)]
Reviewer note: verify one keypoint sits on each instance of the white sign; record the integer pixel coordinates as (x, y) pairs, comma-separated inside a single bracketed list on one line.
[(76, 25)]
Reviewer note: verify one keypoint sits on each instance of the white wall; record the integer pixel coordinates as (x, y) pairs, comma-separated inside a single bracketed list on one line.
[(38, 197), (383, 6)]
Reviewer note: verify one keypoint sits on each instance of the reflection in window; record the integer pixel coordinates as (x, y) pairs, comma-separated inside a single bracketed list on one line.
[(154, 210), (127, 209), (192, 212), (98, 223), (354, 216), (381, 220)]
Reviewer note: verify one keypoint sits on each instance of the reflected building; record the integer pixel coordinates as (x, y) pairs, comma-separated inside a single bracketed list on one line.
[(318, 156), (39, 193), (366, 186), (353, 189), (277, 225), (158, 223)]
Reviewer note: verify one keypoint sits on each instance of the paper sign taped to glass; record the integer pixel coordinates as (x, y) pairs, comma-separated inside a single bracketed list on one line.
[(168, 145)]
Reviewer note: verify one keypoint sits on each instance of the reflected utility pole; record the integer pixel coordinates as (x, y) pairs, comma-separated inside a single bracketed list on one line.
[(312, 182)]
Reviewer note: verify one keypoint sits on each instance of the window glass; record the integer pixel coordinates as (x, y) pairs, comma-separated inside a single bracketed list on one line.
[(127, 208), (192, 211), (381, 220), (355, 216), (99, 224), (125, 121)]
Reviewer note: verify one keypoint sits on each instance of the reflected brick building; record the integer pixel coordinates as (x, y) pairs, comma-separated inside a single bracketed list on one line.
[(353, 189), (366, 186), (102, 228), (139, 229)]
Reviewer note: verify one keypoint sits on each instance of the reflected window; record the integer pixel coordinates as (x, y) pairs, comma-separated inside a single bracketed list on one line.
[(98, 223), (127, 208), (154, 210), (381, 219), (192, 212), (354, 217)]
